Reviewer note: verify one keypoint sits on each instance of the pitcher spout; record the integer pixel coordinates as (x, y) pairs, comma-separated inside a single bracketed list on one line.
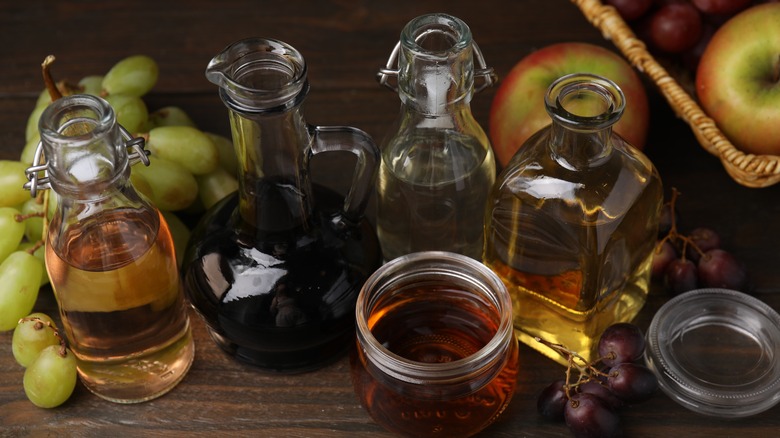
[(259, 75)]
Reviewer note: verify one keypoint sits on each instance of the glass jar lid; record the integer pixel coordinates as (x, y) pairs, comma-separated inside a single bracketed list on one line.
[(717, 352)]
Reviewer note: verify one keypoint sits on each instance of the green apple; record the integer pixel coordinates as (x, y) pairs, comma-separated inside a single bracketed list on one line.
[(738, 79), (518, 109)]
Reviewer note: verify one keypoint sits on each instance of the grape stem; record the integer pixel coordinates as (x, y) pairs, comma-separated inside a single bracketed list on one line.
[(586, 371), (673, 235), (51, 86)]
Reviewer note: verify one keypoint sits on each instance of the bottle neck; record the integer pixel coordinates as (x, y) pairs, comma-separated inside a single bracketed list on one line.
[(274, 186), (436, 64), (579, 149), (583, 108), (86, 155), (436, 87)]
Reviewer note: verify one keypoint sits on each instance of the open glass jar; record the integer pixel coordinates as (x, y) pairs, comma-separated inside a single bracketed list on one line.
[(435, 351)]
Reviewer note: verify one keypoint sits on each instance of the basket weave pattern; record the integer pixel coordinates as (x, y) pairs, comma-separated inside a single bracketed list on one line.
[(747, 169)]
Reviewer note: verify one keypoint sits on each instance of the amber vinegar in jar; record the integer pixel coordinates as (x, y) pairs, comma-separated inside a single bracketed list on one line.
[(435, 351)]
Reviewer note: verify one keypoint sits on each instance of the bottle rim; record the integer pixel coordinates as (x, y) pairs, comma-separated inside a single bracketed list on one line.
[(416, 35), (257, 75), (576, 87), (76, 108), (417, 267)]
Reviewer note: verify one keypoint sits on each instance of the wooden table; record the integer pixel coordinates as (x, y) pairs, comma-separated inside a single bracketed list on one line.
[(344, 42)]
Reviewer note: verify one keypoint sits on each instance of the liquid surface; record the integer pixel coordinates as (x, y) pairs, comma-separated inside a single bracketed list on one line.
[(573, 248), (282, 300), (117, 287), (434, 331), (431, 195)]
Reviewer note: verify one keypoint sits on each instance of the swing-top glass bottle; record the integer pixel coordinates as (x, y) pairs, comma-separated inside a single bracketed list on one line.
[(110, 256), (437, 164)]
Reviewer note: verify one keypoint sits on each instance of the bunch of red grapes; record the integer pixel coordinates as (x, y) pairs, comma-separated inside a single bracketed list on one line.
[(678, 29), (687, 262), (589, 402)]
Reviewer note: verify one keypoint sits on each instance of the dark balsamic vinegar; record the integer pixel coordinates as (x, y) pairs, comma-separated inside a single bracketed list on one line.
[(282, 300)]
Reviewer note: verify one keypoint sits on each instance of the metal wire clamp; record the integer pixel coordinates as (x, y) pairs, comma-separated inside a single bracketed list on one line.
[(391, 69), (135, 145)]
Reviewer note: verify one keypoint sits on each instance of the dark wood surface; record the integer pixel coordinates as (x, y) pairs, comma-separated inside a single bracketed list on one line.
[(344, 42)]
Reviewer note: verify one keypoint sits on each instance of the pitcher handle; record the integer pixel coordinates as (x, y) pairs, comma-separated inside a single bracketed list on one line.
[(359, 143)]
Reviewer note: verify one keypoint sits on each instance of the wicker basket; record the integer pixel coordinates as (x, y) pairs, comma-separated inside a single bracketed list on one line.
[(747, 169)]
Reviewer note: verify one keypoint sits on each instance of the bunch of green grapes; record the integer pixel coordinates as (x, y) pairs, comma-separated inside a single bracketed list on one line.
[(50, 375), (190, 171)]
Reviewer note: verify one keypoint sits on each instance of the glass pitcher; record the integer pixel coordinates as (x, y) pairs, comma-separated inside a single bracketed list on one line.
[(275, 269)]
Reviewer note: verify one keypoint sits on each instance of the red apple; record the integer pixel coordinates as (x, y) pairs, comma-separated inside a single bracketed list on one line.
[(738, 79), (518, 109)]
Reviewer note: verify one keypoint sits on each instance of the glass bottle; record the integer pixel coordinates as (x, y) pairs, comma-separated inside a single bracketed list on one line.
[(437, 164), (436, 354), (572, 221), (110, 257), (275, 269)]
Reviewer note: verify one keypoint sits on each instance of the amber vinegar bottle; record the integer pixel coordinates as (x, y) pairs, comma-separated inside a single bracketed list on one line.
[(572, 221), (110, 257)]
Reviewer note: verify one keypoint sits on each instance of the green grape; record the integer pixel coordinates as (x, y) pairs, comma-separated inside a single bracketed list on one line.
[(169, 116), (28, 153), (31, 335), (40, 254), (20, 276), (44, 98), (32, 122), (172, 186), (51, 378), (214, 186), (33, 225), (180, 234), (91, 85), (227, 154), (130, 111), (12, 180), (134, 76), (11, 231), (186, 146)]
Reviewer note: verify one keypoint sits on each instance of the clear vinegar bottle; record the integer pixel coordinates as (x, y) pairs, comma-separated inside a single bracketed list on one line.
[(437, 164), (572, 221)]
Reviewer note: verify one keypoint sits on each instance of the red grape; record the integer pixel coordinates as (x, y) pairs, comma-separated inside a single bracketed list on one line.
[(705, 239), (632, 382), (588, 416), (719, 268), (552, 400), (675, 27), (621, 342), (662, 257), (631, 9), (681, 276), (720, 6), (601, 391)]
